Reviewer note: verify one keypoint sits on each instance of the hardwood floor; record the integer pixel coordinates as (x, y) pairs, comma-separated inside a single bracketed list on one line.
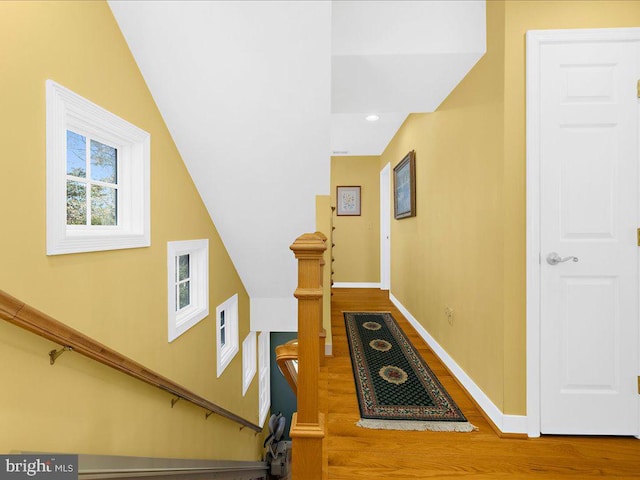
[(357, 453)]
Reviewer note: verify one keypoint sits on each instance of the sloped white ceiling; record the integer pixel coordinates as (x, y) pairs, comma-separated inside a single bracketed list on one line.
[(397, 57), (247, 91)]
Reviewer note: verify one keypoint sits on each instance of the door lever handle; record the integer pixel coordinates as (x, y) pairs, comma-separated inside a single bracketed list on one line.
[(553, 259)]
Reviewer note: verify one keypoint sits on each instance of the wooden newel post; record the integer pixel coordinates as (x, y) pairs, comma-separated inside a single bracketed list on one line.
[(307, 426)]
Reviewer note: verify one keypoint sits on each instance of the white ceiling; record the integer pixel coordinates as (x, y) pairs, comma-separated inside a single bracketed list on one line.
[(352, 134), (258, 94), (393, 58)]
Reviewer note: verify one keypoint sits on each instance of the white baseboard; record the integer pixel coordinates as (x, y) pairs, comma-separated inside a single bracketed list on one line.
[(514, 423), (505, 423), (356, 285), (328, 349)]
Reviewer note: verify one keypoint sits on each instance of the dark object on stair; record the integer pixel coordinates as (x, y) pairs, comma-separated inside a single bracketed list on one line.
[(278, 455)]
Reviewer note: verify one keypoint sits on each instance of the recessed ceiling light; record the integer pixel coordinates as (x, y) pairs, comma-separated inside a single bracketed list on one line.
[(372, 118)]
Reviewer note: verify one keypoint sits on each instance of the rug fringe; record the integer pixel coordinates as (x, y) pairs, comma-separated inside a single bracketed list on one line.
[(416, 425)]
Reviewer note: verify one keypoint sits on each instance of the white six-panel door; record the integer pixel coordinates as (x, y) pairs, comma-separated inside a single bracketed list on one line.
[(588, 216)]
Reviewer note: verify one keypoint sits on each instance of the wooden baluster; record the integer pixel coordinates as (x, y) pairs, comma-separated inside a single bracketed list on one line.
[(323, 333), (307, 426)]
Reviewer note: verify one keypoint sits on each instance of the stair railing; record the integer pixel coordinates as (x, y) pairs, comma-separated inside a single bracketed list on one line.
[(24, 316), (287, 360)]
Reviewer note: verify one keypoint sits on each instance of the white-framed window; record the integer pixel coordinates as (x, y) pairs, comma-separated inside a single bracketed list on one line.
[(98, 177), (187, 284), (249, 360), (264, 379), (227, 332)]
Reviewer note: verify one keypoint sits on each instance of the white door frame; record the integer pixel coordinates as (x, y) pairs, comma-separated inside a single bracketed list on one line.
[(536, 39), (385, 227)]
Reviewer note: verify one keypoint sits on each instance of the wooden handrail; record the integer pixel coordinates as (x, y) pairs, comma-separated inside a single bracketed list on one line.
[(18, 313), (286, 355)]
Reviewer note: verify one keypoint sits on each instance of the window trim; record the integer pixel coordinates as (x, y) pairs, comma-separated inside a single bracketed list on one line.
[(249, 361), (225, 353), (264, 377), (179, 321), (67, 110)]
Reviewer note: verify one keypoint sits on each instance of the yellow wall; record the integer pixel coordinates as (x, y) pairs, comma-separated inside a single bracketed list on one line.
[(357, 238), (117, 297), (450, 254), (466, 247)]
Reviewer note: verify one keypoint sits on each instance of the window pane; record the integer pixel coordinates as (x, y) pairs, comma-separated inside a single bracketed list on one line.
[(223, 330), (104, 205), (76, 155), (76, 203), (184, 295), (103, 162), (183, 267)]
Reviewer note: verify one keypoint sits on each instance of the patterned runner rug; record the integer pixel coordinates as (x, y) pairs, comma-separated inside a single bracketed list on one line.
[(396, 389)]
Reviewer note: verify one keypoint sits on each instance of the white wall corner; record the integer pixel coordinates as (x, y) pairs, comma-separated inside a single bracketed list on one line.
[(505, 423), (328, 350), (274, 314)]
